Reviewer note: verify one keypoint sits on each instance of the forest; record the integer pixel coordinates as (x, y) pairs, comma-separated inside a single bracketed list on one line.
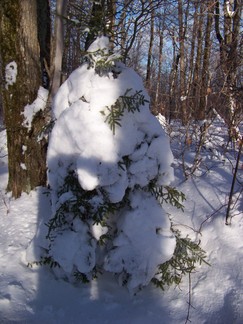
[(121, 160), (189, 54)]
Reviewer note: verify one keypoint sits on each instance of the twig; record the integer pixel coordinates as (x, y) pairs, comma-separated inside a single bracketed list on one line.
[(189, 299), (187, 226), (237, 199), (215, 212), (5, 204), (228, 216)]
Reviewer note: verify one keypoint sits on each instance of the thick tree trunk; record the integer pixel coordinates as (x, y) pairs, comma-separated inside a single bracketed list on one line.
[(19, 45)]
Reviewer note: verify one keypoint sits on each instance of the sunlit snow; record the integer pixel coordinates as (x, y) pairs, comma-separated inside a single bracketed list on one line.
[(128, 157), (34, 295), (30, 110)]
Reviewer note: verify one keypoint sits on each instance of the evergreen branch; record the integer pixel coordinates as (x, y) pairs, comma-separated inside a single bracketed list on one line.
[(44, 261), (79, 204), (130, 103), (186, 255), (167, 194), (82, 277), (85, 278)]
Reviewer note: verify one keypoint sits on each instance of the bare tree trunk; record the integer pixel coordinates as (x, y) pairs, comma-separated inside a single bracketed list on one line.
[(173, 77), (192, 53), (123, 32), (97, 22), (61, 8), (205, 68), (158, 85), (197, 66), (20, 51), (150, 50), (44, 38), (111, 7), (228, 216), (182, 63), (228, 44)]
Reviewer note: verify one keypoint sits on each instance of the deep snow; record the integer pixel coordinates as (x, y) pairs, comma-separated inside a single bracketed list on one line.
[(33, 295)]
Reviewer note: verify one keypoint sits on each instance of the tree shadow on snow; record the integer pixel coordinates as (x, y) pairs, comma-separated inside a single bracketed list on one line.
[(58, 301)]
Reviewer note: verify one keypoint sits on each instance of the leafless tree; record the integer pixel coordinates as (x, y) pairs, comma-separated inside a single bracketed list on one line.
[(22, 50)]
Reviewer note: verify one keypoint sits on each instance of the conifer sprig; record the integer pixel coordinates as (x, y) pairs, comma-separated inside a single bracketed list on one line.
[(186, 256), (167, 194), (127, 102)]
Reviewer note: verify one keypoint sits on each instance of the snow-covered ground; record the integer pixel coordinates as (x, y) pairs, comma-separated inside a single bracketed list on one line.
[(215, 292)]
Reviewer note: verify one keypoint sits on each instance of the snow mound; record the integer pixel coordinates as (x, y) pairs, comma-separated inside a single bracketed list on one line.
[(132, 251), (106, 137)]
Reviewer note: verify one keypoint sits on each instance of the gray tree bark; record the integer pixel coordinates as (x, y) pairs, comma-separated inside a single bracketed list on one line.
[(61, 8)]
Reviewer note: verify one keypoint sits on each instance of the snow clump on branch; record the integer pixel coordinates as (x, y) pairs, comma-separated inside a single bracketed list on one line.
[(106, 152)]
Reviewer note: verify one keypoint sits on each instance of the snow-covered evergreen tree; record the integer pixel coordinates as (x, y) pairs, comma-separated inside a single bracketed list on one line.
[(107, 154)]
